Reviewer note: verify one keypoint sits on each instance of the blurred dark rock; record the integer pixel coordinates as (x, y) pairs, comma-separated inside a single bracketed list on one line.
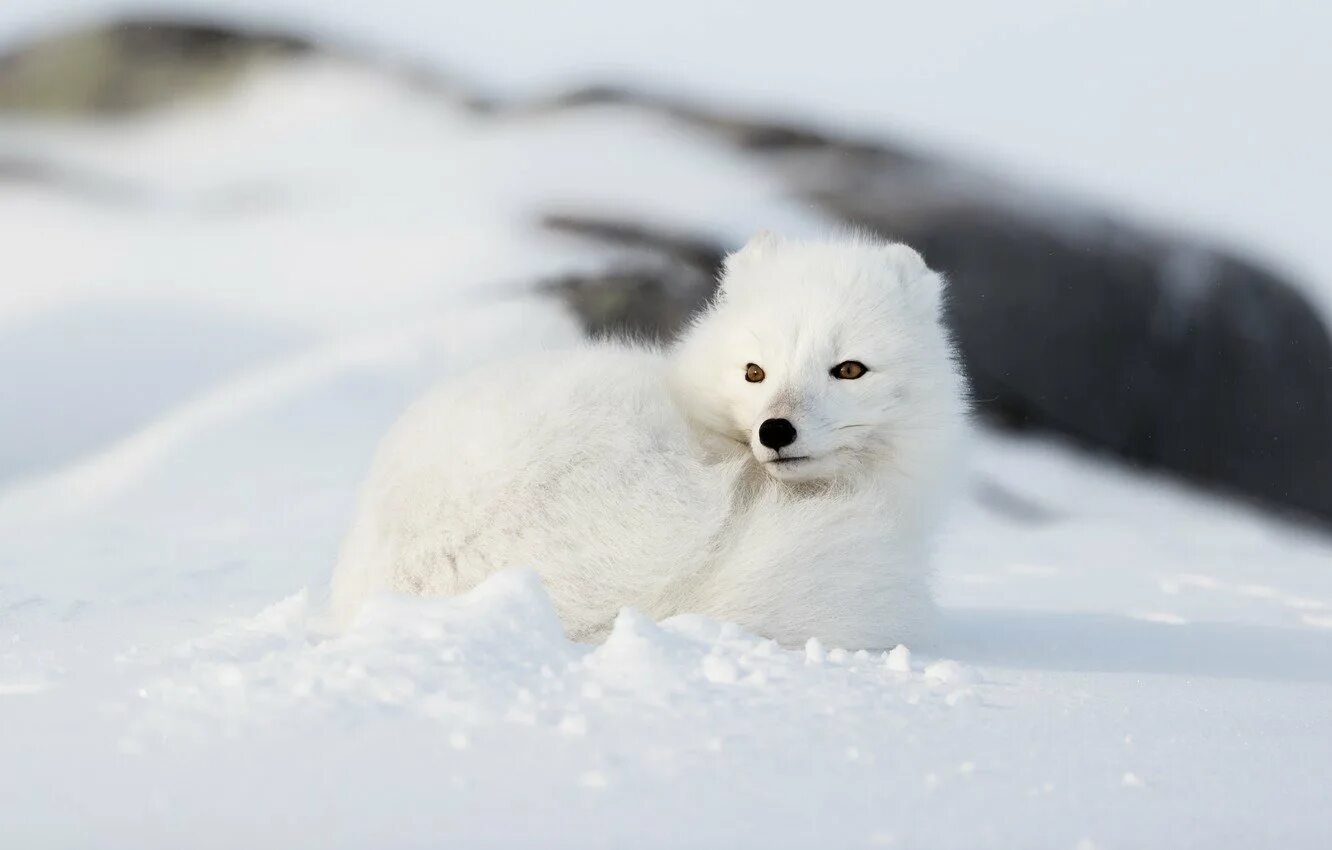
[(135, 64), (1156, 346), (654, 283)]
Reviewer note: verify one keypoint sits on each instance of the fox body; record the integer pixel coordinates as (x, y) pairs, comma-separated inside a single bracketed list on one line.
[(782, 466)]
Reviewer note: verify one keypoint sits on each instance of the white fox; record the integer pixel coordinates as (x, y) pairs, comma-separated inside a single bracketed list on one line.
[(781, 467)]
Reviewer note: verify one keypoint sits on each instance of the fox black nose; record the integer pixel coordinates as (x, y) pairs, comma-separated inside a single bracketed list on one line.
[(777, 433)]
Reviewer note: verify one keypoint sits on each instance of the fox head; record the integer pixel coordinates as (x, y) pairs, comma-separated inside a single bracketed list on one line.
[(825, 359)]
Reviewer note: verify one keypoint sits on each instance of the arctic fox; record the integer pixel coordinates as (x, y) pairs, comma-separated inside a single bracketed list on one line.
[(780, 467)]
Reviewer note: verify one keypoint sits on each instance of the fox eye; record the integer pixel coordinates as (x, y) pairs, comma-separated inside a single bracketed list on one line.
[(754, 373), (849, 370)]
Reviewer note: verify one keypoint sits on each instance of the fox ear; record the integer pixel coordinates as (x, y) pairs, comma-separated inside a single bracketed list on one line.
[(923, 286), (756, 248), (758, 245)]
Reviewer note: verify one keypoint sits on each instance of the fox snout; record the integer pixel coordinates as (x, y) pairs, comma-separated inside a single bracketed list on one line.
[(777, 434)]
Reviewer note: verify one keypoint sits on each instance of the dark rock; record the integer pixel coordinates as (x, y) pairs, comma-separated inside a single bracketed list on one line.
[(648, 291), (135, 64)]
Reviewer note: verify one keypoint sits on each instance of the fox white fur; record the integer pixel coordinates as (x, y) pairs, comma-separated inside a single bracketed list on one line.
[(629, 476)]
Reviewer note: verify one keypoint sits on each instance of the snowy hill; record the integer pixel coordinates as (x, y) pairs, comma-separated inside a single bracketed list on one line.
[(1125, 661)]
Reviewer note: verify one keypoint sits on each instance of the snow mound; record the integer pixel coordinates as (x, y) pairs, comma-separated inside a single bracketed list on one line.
[(498, 655)]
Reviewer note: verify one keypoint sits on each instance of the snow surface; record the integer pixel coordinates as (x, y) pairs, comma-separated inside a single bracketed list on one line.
[(1125, 662)]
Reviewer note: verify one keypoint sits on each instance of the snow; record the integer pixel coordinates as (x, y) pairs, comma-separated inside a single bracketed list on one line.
[(1123, 660)]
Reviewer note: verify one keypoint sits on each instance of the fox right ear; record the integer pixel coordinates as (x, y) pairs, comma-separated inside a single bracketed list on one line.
[(922, 284), (758, 245)]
